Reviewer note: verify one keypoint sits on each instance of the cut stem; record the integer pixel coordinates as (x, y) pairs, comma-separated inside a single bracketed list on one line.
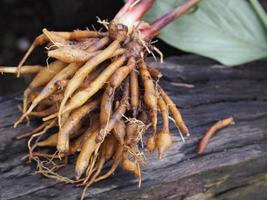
[(129, 15)]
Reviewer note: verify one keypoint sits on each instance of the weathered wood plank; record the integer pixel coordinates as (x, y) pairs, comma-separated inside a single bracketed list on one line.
[(233, 167)]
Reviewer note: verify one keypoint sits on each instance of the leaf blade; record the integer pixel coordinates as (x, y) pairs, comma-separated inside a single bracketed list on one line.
[(228, 31)]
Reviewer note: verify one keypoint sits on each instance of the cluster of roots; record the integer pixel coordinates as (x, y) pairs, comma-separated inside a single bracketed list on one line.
[(97, 100)]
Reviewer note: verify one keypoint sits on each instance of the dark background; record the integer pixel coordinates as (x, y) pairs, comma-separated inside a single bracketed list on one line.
[(22, 20)]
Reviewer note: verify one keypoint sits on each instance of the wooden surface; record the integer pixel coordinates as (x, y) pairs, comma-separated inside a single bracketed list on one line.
[(233, 167)]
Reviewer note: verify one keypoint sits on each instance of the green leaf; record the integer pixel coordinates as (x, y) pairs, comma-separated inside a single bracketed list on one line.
[(225, 30), (260, 11)]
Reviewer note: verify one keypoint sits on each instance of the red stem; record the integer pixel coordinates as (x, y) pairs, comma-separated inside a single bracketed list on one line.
[(154, 28), (130, 15), (124, 9)]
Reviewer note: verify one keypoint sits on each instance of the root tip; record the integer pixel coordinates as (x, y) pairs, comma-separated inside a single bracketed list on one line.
[(78, 174), (199, 152), (16, 124)]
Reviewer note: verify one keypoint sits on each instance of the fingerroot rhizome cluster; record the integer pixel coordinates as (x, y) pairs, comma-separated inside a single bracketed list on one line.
[(98, 101)]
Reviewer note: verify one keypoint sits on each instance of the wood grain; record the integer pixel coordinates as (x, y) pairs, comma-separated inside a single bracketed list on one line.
[(234, 166)]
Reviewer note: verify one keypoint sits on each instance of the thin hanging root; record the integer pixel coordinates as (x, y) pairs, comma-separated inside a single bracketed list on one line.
[(159, 52), (46, 128), (175, 112), (81, 74), (43, 155), (49, 156), (211, 131), (36, 130), (31, 148), (44, 170), (26, 69)]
